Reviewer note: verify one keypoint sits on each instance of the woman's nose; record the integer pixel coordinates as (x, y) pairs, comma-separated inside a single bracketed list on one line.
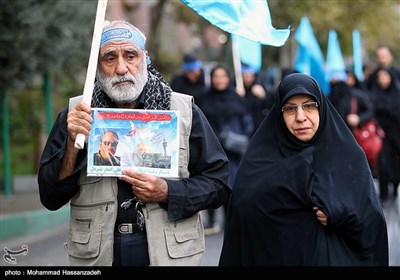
[(300, 114)]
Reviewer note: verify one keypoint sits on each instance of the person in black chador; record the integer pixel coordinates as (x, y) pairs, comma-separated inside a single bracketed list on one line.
[(107, 149), (385, 96), (227, 113), (258, 98), (356, 109), (304, 194)]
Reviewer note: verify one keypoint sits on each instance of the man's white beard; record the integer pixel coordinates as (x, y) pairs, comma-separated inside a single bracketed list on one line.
[(126, 93)]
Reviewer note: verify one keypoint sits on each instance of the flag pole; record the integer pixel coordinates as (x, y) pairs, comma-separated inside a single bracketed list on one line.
[(92, 65), (238, 71)]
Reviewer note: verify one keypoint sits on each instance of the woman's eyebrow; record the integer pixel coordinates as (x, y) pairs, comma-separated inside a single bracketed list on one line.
[(308, 100)]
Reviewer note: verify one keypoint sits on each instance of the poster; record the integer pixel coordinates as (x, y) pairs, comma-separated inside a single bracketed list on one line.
[(144, 140)]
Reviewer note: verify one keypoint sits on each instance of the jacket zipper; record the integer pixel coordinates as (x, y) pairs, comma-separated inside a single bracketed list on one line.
[(147, 212), (93, 205)]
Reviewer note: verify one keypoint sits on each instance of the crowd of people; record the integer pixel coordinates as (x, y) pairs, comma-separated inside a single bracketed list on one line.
[(296, 188), (377, 97)]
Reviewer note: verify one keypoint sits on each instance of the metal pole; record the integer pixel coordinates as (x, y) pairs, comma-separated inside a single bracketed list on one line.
[(48, 101), (6, 146)]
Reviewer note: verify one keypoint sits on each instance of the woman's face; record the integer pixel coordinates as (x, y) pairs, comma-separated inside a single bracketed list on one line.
[(301, 116), (351, 80), (384, 79), (220, 79)]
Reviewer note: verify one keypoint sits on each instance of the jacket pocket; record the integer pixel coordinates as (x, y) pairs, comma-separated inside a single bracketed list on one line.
[(84, 179), (184, 242), (85, 228)]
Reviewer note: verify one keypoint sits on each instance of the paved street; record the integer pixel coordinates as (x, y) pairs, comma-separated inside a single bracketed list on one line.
[(392, 214), (47, 249)]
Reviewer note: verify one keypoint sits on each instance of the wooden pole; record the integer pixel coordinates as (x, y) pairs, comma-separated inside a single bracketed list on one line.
[(237, 67), (92, 66)]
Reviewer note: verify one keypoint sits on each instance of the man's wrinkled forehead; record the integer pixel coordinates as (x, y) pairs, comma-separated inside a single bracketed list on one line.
[(122, 33)]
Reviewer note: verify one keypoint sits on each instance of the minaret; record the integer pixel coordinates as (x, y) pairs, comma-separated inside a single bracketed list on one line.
[(165, 147)]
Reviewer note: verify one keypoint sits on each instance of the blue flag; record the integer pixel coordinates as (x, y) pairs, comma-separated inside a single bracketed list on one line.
[(249, 19), (357, 55), (309, 57), (249, 52), (335, 67)]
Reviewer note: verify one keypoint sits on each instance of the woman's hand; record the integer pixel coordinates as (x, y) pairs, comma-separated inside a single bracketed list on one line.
[(321, 217)]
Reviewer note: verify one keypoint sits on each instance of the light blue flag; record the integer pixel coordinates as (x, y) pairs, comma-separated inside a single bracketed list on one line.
[(335, 67), (249, 51), (357, 55), (249, 19), (309, 57)]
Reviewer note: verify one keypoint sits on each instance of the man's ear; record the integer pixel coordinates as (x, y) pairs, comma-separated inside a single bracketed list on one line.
[(148, 57)]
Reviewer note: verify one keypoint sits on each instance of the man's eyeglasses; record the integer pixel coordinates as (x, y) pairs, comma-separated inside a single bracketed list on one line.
[(306, 107), (108, 143)]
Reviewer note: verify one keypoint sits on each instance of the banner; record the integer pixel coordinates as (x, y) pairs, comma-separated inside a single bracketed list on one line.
[(335, 67), (357, 55), (309, 58), (249, 19), (249, 51)]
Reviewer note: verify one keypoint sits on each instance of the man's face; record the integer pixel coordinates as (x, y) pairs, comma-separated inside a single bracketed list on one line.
[(122, 71), (384, 57), (108, 145), (248, 78), (193, 75)]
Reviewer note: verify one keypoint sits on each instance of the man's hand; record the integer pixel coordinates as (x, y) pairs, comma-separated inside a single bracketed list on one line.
[(259, 92), (79, 120), (147, 188), (241, 91)]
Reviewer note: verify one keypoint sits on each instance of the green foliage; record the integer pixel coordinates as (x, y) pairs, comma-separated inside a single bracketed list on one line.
[(24, 129), (377, 20), (26, 157), (40, 36), (43, 35), (168, 66)]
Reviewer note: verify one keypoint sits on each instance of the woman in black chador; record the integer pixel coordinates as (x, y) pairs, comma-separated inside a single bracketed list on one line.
[(304, 194), (385, 94), (227, 112)]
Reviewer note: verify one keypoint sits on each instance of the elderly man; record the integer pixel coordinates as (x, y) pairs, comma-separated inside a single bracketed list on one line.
[(136, 219)]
